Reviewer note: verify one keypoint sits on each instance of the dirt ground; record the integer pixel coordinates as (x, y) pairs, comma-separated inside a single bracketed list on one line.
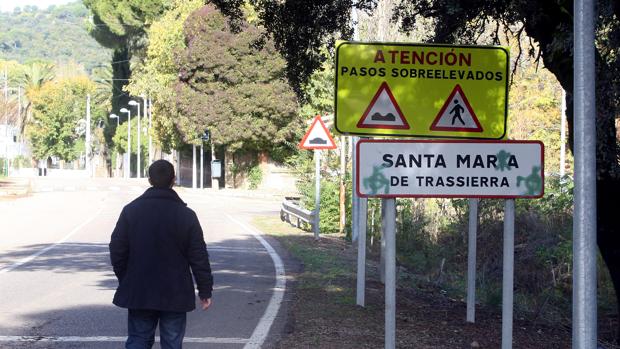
[(324, 314)]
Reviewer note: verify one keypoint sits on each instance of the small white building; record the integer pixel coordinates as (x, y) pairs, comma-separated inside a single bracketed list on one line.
[(11, 146)]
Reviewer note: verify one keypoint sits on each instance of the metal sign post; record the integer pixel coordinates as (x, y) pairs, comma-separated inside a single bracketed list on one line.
[(584, 222), (508, 273), (360, 221), (317, 193), (382, 248), (389, 222), (355, 200), (361, 258), (471, 260), (317, 138)]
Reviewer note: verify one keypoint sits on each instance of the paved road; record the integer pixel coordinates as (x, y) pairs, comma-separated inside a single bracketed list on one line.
[(56, 284)]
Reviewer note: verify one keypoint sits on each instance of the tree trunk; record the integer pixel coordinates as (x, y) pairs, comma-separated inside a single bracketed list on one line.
[(608, 175)]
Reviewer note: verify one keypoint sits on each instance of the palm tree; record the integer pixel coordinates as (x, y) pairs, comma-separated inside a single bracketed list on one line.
[(32, 78)]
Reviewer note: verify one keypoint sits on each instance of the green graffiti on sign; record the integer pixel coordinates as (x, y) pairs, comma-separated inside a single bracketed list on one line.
[(377, 181), (503, 158), (532, 183)]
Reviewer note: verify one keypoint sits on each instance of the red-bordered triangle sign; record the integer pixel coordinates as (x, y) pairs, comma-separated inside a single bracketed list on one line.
[(383, 111), (318, 136), (456, 114)]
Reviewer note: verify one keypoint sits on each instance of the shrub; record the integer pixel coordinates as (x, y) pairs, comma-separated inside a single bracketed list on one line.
[(255, 177)]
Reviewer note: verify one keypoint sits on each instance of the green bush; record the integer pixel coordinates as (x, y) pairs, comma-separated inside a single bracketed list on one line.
[(21, 162), (255, 177), (303, 165)]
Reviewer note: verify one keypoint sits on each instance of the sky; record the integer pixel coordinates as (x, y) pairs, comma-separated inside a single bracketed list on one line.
[(9, 5)]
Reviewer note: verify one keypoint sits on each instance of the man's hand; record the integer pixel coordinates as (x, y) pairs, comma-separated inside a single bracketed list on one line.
[(206, 303)]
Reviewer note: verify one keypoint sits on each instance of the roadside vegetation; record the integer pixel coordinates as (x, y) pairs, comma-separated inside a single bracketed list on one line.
[(324, 314)]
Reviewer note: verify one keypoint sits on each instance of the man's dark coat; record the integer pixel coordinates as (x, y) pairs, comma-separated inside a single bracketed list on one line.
[(156, 241)]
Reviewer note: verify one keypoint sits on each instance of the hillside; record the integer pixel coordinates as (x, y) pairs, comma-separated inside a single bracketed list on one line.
[(57, 34)]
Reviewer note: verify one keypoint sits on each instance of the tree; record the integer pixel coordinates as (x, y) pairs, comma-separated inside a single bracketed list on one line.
[(121, 26), (300, 28), (234, 84), (158, 74), (550, 24), (59, 109), (33, 76)]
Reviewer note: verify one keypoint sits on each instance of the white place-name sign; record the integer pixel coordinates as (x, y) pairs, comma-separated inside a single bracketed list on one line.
[(459, 169)]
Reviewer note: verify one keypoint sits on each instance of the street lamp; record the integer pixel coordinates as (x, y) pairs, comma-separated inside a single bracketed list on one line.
[(114, 116), (150, 114), (132, 102), (127, 170)]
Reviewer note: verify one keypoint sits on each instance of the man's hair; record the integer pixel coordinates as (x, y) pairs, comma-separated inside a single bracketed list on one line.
[(161, 174)]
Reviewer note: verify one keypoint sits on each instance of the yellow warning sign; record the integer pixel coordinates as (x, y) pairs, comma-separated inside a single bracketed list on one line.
[(421, 90)]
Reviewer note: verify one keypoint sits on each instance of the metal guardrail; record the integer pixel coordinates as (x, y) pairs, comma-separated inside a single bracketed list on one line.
[(291, 212)]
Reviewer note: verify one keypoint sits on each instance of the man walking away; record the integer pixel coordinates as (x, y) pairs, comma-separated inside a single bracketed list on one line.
[(155, 248)]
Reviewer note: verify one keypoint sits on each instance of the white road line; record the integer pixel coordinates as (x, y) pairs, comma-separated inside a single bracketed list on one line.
[(236, 249), (115, 339), (264, 324), (37, 254)]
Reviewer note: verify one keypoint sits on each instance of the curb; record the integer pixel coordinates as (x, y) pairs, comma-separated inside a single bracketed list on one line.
[(16, 189), (234, 193)]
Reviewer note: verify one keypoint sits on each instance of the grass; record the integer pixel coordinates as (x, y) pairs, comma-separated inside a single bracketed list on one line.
[(324, 314), (324, 307)]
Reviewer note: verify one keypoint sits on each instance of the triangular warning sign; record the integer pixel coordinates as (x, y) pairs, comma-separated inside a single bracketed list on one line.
[(456, 114), (383, 111), (317, 137)]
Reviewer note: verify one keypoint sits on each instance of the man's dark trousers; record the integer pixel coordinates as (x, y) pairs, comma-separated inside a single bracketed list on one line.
[(142, 325)]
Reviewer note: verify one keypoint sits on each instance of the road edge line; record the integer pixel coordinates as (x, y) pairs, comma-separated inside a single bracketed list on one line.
[(264, 324)]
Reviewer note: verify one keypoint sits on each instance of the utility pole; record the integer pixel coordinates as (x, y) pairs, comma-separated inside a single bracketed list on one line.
[(19, 114), (88, 140), (144, 116), (6, 122), (194, 166), (150, 137), (202, 164)]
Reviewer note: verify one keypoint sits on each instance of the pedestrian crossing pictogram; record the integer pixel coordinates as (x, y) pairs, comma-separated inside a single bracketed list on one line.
[(383, 111), (456, 114)]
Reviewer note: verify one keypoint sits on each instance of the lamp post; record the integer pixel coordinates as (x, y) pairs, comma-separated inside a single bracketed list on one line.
[(87, 140), (138, 174), (7, 138), (150, 114), (114, 116), (128, 161)]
